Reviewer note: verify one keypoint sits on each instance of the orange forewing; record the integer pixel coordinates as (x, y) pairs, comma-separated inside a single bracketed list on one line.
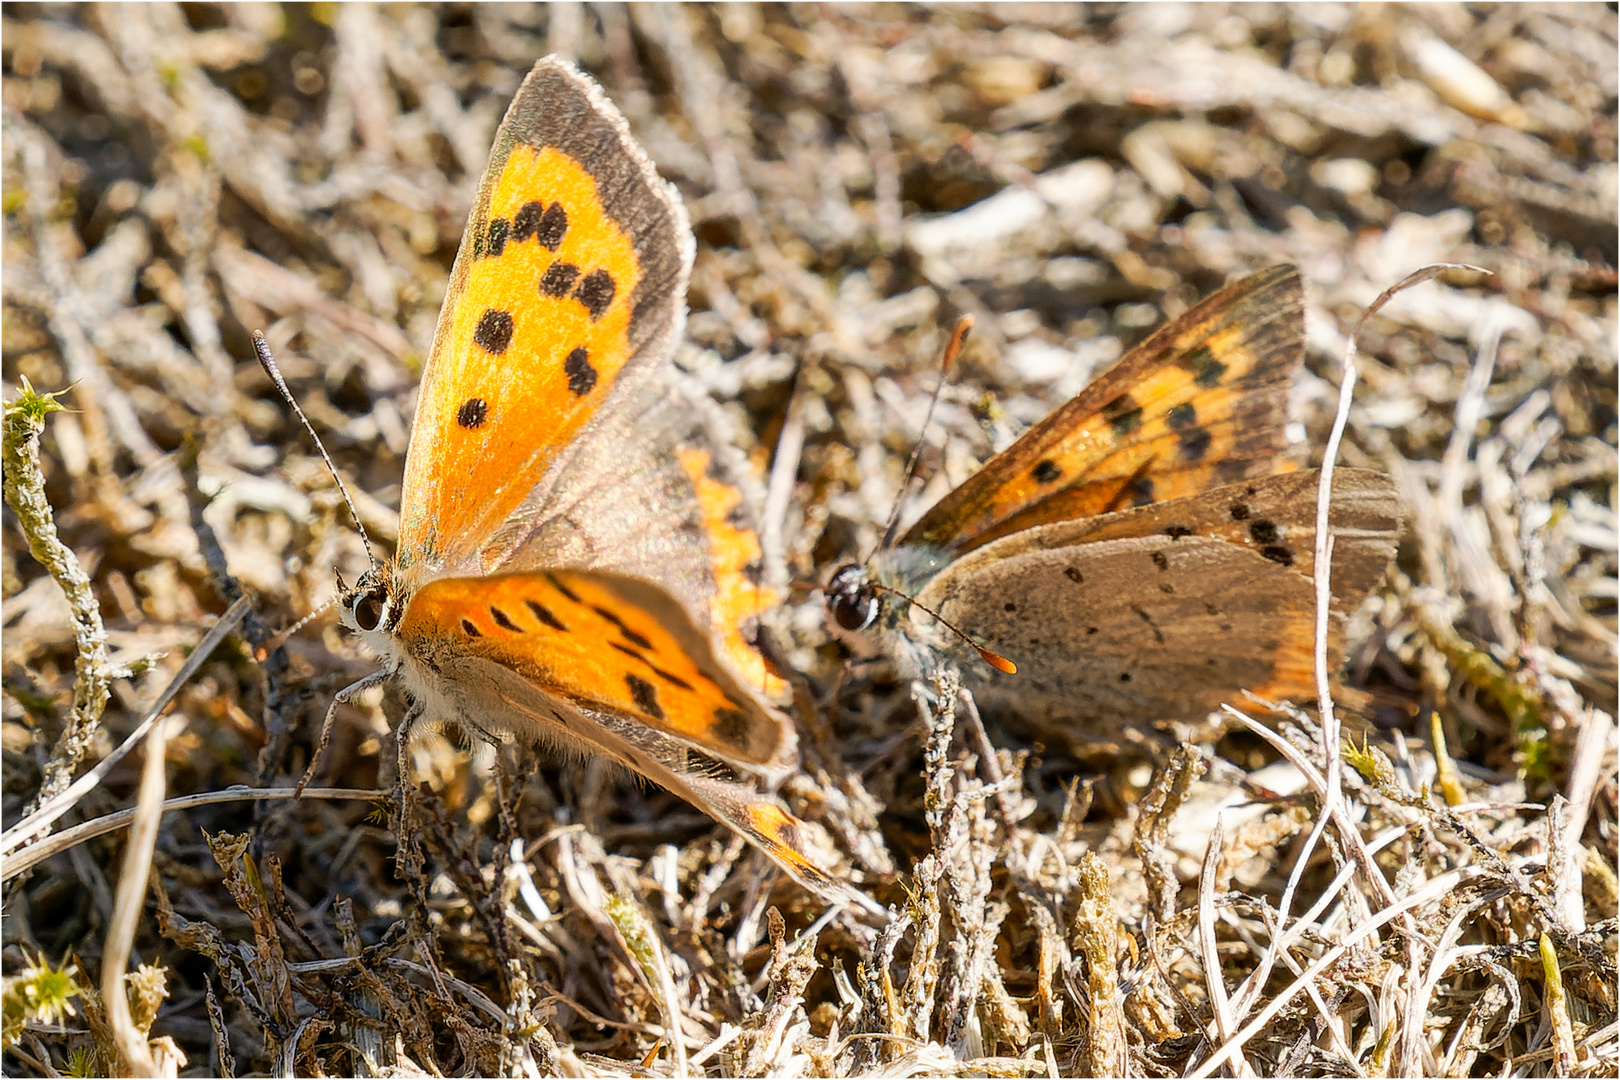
[(523, 359), (1200, 403), (597, 640)]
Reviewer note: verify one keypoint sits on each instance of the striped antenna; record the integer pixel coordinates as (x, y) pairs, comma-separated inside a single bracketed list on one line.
[(261, 349)]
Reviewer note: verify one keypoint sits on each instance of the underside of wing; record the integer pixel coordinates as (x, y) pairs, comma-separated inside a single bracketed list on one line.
[(612, 644), (1200, 403), (1168, 610), (1137, 629), (568, 289)]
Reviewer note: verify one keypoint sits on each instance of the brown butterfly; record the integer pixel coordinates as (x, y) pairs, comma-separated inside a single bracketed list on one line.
[(1145, 552)]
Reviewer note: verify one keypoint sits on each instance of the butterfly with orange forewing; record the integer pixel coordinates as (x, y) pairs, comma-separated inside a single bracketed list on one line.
[(575, 565), (1145, 552)]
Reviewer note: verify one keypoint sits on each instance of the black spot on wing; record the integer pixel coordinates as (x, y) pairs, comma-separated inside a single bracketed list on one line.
[(1194, 444), (1161, 560), (1239, 511), (630, 635), (552, 227), (1074, 575), (596, 293), (499, 230), (1141, 491), (1182, 417), (1176, 532), (1123, 413), (558, 279), (1158, 635), (1206, 370), (494, 332), (1045, 472), (1211, 375), (473, 413), (503, 621), (1277, 553), (526, 222), (557, 584), (645, 695), (469, 629), (670, 677), (1264, 532), (581, 376), (543, 613)]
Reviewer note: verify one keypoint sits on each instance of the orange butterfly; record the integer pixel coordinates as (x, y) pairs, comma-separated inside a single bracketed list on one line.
[(571, 565), (1144, 552)]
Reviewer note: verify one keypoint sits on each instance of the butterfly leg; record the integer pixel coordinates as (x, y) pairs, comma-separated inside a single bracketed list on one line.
[(402, 743), (409, 859), (342, 697)]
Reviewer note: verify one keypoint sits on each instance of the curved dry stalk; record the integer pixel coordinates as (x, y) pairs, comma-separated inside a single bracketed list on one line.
[(43, 816), (1433, 891), (89, 830), (1350, 837), (132, 1046)]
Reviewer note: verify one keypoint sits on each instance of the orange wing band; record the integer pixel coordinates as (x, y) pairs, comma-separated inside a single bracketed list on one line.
[(577, 637)]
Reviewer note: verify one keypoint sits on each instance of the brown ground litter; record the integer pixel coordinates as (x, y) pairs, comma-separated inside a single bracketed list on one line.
[(176, 176)]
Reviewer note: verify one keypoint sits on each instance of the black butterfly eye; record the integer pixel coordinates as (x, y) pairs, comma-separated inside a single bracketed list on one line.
[(851, 599), (368, 611), (854, 612)]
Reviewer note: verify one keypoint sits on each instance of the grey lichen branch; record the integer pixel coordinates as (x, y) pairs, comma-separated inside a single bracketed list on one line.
[(25, 492)]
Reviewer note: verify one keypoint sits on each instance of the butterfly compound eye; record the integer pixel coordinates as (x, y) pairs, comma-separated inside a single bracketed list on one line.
[(851, 599), (368, 611)]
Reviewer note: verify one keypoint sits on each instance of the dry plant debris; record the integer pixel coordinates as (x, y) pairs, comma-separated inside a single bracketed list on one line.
[(1171, 903)]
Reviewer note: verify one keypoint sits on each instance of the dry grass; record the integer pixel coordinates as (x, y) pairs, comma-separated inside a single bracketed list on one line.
[(175, 177)]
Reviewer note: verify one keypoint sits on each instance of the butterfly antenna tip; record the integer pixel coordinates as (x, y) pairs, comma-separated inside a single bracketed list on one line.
[(261, 349), (990, 656)]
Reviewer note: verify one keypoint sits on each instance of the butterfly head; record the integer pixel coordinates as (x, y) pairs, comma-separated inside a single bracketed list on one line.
[(372, 607), (852, 598), (860, 608)]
